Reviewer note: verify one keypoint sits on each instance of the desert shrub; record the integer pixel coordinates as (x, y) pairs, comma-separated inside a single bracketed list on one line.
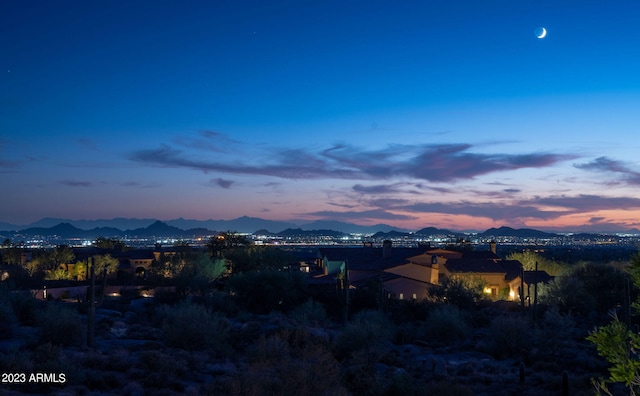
[(589, 287), (49, 358), (605, 283), (127, 295), (569, 295), (554, 332), (405, 385), (311, 313), (368, 329), (7, 319), (361, 375), (221, 302), (118, 360), (408, 311), (265, 291), (447, 388), (58, 274), (281, 364), (158, 361), (508, 336), (15, 361), (24, 307), (60, 325), (464, 294), (167, 296), (192, 326), (447, 323), (408, 332)]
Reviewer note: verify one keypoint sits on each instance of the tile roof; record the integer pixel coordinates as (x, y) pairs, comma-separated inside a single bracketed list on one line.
[(370, 258), (531, 277)]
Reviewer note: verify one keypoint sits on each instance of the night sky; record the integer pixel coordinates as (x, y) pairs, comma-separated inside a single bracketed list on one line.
[(450, 114)]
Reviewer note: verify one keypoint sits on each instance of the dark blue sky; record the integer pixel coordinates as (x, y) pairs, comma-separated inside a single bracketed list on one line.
[(444, 113)]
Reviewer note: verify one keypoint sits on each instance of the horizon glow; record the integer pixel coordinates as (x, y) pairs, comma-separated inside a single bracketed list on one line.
[(450, 115)]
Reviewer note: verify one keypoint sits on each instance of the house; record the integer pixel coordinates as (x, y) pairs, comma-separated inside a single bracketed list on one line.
[(500, 278), (136, 261), (407, 273), (412, 280), (389, 266)]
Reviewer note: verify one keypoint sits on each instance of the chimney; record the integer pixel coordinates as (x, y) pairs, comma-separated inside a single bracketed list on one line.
[(386, 248), (434, 273), (492, 247)]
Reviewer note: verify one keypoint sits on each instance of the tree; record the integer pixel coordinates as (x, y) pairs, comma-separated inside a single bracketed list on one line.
[(79, 270), (257, 258), (105, 264), (264, 291), (225, 241), (634, 271), (589, 287), (49, 261), (619, 345), (111, 244), (62, 254), (199, 272), (529, 258), (10, 253), (463, 293)]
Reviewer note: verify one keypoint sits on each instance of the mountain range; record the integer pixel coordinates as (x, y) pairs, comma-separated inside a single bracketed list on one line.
[(178, 227), (182, 228)]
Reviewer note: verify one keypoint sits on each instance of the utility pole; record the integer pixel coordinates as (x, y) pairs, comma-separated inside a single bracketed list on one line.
[(535, 295), (91, 313), (346, 291), (522, 288)]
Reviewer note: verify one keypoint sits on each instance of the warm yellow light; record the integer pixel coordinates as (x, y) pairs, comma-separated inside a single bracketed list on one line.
[(487, 290)]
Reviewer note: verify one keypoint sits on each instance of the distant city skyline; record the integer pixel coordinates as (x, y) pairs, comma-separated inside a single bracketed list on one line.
[(446, 114)]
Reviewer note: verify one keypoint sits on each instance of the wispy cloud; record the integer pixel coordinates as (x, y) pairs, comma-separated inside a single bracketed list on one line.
[(221, 182), (433, 163), (342, 205), (607, 165), (376, 189), (388, 203), (212, 141), (361, 215), (585, 203), (543, 208), (453, 162), (76, 183), (491, 210)]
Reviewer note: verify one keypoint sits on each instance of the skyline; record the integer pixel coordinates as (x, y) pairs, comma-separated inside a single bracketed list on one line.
[(450, 114)]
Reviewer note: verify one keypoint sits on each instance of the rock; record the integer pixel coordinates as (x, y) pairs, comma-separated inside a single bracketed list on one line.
[(108, 313), (440, 369)]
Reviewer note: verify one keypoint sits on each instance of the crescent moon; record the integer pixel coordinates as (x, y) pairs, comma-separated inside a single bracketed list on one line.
[(541, 32)]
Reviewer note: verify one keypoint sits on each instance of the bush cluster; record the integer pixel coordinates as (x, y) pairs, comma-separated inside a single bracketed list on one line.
[(191, 326)]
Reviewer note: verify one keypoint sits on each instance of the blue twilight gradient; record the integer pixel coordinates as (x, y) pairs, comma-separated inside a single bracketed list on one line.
[(444, 113)]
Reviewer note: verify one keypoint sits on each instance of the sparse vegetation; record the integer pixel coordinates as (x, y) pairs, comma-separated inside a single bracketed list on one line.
[(190, 326), (259, 332), (60, 325)]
